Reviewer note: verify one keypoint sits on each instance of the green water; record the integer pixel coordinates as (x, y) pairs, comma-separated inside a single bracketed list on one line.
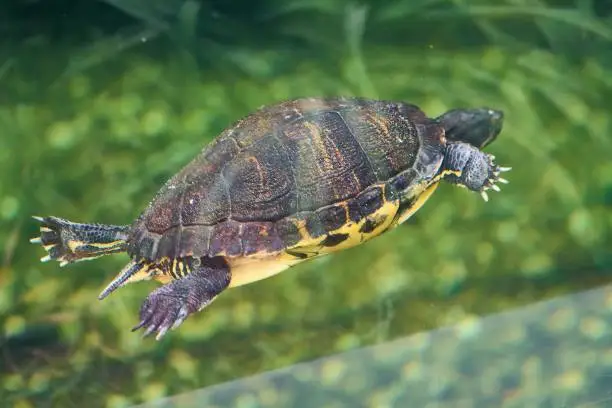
[(93, 123)]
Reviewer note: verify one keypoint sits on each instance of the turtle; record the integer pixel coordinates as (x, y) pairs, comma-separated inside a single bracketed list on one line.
[(286, 183)]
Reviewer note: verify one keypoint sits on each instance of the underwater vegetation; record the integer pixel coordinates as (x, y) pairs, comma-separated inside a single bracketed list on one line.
[(101, 103)]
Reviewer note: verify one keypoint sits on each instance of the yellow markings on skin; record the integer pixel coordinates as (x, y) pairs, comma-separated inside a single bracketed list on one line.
[(74, 245), (164, 271), (184, 269), (105, 245), (423, 197), (173, 269), (301, 226), (449, 172)]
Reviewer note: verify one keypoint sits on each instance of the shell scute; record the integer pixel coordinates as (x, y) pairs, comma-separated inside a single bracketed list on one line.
[(388, 133), (168, 243), (403, 180), (147, 246), (260, 237), (333, 216), (195, 239), (260, 182), (194, 198), (288, 230), (370, 200), (354, 212), (314, 225), (215, 204), (327, 161), (225, 239)]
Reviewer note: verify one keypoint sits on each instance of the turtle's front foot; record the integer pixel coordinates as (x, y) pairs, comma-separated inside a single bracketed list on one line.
[(494, 178), (467, 166), (168, 306)]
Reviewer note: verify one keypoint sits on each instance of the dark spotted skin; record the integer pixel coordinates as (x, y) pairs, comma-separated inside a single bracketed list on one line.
[(245, 192)]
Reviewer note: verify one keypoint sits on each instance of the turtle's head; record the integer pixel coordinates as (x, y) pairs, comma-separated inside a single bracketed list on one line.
[(468, 167), (478, 127)]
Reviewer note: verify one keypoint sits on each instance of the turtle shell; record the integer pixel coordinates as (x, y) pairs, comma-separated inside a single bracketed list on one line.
[(303, 177)]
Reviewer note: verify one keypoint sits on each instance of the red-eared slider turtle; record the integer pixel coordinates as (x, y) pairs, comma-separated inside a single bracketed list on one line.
[(287, 183)]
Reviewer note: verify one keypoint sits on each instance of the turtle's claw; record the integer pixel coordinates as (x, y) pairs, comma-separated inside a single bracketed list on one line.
[(491, 183), (161, 312), (51, 239)]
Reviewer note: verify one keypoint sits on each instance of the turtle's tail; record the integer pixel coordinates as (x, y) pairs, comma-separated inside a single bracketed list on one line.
[(68, 242)]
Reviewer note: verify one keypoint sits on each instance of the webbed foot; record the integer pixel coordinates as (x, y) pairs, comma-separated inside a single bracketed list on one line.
[(467, 166), (168, 306), (67, 241)]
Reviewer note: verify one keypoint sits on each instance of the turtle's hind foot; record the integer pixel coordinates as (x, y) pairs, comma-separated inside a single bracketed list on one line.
[(68, 242)]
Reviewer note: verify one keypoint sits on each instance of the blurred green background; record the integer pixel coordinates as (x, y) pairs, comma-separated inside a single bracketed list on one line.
[(101, 102)]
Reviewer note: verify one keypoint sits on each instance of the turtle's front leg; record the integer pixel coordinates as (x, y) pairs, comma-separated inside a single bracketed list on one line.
[(168, 306), (468, 167)]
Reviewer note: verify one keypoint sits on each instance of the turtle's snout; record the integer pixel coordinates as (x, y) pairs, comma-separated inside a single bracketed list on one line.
[(468, 167), (496, 122)]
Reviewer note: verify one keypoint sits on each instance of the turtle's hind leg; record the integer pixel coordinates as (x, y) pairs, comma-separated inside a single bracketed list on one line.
[(168, 306), (68, 242)]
